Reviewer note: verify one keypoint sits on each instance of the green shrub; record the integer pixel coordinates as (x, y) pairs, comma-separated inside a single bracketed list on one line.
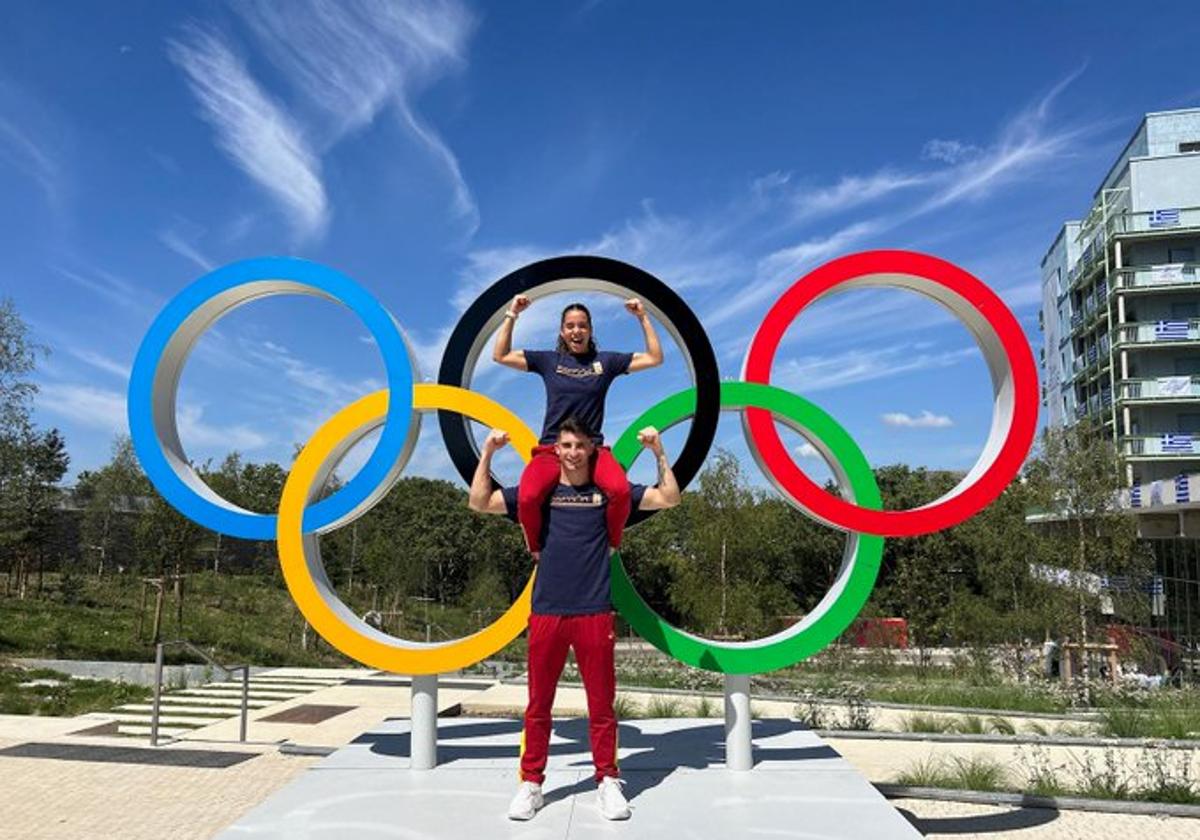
[(920, 722), (978, 773), (626, 708), (663, 707), (968, 725), (928, 772), (1001, 726)]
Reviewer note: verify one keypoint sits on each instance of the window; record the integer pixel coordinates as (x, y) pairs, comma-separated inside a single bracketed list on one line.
[(1187, 367), (1188, 422), (1190, 146), (1187, 309), (1178, 255)]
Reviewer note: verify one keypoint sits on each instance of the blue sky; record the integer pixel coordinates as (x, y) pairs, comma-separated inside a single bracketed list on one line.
[(428, 148)]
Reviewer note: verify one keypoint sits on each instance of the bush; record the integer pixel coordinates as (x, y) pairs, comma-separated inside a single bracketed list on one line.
[(919, 722), (663, 707)]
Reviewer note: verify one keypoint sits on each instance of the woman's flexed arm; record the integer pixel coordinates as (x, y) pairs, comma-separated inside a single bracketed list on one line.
[(653, 357), (503, 352)]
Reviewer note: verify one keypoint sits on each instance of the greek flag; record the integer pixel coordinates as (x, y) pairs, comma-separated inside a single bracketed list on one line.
[(1158, 596), (1135, 495), (1171, 331), (1175, 442), (1164, 218), (1182, 493)]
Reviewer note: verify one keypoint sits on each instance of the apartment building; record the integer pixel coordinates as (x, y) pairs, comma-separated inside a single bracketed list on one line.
[(1121, 341)]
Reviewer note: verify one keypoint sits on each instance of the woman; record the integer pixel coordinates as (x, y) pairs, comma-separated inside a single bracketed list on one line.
[(577, 377)]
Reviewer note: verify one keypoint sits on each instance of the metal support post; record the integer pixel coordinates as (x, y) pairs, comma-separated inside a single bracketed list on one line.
[(158, 678), (424, 722), (245, 703), (739, 752)]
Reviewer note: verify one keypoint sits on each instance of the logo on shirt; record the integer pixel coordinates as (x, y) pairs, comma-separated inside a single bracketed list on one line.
[(577, 500), (596, 369)]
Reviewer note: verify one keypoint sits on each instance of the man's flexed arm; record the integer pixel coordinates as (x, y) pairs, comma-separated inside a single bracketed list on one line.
[(666, 493), (482, 497)]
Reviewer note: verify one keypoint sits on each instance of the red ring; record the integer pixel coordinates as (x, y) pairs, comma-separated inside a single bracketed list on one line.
[(948, 511)]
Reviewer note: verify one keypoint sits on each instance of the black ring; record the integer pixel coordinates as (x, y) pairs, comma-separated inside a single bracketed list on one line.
[(583, 273)]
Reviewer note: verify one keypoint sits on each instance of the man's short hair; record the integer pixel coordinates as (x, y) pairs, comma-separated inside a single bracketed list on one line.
[(576, 427)]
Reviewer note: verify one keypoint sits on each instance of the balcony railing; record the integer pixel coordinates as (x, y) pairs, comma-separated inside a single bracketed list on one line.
[(1162, 388), (1159, 332), (1158, 276), (1164, 219), (1177, 444)]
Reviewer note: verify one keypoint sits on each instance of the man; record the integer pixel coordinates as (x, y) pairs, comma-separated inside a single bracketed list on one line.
[(571, 603)]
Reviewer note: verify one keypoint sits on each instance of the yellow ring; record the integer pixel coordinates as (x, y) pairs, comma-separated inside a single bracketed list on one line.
[(362, 642)]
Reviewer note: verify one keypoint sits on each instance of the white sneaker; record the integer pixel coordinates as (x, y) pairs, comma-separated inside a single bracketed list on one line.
[(612, 800), (525, 804)]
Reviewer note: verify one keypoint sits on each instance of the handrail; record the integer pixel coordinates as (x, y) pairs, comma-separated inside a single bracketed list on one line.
[(158, 671)]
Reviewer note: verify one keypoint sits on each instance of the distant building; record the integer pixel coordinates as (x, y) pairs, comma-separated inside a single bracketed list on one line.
[(1121, 325)]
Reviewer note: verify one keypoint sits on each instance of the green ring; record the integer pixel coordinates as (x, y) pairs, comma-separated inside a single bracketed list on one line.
[(828, 620)]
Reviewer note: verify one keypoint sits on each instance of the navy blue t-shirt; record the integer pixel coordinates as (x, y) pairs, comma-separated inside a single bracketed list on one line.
[(575, 385), (573, 573)]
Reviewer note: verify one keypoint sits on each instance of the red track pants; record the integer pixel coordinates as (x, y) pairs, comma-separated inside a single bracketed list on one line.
[(592, 637), (540, 477)]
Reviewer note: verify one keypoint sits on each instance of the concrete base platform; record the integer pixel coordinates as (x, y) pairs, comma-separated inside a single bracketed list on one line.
[(674, 773)]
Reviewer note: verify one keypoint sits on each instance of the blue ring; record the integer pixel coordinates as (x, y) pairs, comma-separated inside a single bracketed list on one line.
[(396, 358)]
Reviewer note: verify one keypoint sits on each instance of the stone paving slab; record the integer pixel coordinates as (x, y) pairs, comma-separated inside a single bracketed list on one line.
[(675, 780)]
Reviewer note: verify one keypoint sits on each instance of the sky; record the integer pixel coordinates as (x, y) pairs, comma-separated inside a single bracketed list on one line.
[(428, 148)]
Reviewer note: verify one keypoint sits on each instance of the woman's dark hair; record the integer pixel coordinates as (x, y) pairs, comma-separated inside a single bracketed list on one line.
[(562, 345)]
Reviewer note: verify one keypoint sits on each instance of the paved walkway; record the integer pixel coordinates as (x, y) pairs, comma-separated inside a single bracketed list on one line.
[(67, 798)]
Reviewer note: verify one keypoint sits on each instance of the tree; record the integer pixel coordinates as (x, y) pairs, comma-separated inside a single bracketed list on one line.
[(18, 357), (725, 567), (31, 465), (112, 498), (1074, 479)]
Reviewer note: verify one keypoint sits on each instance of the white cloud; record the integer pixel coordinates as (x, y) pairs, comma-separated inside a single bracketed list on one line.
[(259, 136), (948, 151), (778, 269), (818, 373), (807, 450), (1025, 143), (96, 408), (104, 409), (116, 289), (184, 247), (926, 420), (352, 60), (101, 362), (25, 144), (852, 191), (194, 431)]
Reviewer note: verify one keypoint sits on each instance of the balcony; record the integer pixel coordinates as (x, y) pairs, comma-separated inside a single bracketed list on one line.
[(1162, 445), (1162, 388), (1162, 220), (1174, 275), (1159, 332)]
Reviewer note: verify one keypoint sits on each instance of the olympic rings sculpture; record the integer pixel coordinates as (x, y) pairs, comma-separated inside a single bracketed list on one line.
[(398, 410)]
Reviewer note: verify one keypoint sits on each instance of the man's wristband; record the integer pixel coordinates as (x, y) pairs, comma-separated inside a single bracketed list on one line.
[(508, 313)]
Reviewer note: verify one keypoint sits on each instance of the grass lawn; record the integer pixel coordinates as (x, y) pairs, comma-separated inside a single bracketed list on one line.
[(44, 692)]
